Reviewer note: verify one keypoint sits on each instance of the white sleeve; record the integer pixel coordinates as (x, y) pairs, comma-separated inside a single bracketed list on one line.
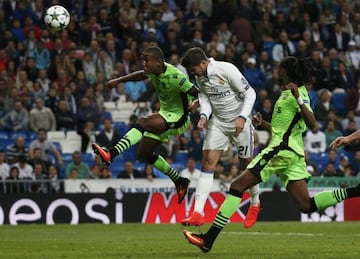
[(205, 106), (276, 52), (245, 92)]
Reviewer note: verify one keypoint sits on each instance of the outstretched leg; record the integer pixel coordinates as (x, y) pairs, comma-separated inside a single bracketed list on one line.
[(232, 201)]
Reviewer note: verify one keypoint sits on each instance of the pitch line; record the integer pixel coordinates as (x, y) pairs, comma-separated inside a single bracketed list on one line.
[(274, 233)]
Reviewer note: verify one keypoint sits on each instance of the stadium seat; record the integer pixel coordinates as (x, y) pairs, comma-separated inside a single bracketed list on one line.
[(181, 156), (109, 106), (58, 146), (314, 98), (4, 135), (338, 100), (14, 135), (32, 135), (56, 135), (121, 127), (107, 115)]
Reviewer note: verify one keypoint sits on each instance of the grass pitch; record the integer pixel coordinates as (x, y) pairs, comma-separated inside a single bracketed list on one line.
[(136, 241)]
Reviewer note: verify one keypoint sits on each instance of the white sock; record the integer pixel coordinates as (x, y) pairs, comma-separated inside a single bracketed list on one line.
[(254, 195), (203, 190)]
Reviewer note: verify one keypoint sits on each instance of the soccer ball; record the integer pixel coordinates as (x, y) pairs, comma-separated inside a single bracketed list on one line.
[(57, 18)]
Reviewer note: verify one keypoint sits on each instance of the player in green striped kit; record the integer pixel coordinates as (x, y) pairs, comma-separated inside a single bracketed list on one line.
[(175, 92), (284, 155)]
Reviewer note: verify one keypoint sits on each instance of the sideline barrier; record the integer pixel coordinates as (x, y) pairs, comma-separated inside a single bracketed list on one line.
[(150, 208)]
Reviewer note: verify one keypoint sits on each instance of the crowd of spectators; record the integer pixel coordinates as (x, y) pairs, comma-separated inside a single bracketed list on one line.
[(57, 80)]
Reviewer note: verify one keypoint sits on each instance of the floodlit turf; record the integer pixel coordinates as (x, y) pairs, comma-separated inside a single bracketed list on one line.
[(135, 241)]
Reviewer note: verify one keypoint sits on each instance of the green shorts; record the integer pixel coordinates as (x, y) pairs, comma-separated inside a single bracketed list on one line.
[(177, 124), (287, 164)]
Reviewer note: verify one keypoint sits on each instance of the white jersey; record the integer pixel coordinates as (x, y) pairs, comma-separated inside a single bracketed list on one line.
[(226, 91)]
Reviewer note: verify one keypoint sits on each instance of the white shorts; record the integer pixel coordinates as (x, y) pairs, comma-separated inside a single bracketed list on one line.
[(219, 135)]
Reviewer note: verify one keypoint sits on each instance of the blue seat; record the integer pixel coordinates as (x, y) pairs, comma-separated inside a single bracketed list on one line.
[(58, 146), (338, 101), (121, 127), (15, 134), (314, 98), (4, 135), (181, 157), (32, 135)]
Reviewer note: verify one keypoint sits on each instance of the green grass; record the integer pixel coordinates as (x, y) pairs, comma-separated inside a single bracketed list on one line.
[(136, 241)]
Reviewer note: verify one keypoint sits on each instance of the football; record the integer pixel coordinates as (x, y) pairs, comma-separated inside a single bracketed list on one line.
[(57, 18)]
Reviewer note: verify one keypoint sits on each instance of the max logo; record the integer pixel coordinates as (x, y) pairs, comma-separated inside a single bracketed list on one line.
[(162, 209)]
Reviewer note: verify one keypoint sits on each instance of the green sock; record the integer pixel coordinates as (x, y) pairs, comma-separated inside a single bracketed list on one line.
[(163, 166), (132, 137), (329, 198), (227, 209)]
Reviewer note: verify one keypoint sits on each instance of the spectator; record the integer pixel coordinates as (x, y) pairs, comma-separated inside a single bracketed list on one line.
[(48, 148), (344, 79), (191, 172), (13, 152), (283, 48), (105, 173), (82, 169), (149, 172), (331, 171), (351, 116), (4, 167), (315, 140), (37, 159), (51, 100), (38, 175), (25, 170), (43, 80), (352, 55), (241, 27), (42, 117), (41, 56), (325, 76), (130, 172), (55, 186), (331, 132), (108, 137), (324, 106), (73, 174), (343, 167), (69, 98), (254, 74), (17, 119), (65, 119), (89, 68), (338, 39), (13, 185)]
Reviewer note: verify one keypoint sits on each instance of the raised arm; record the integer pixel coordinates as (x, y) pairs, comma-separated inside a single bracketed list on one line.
[(134, 76), (345, 140)]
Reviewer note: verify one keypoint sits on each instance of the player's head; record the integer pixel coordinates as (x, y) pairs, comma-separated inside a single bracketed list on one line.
[(153, 60), (195, 61), (297, 70)]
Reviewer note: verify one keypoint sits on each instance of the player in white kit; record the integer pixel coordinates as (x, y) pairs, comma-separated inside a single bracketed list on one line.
[(226, 101)]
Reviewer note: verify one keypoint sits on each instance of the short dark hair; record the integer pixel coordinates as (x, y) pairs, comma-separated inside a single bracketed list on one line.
[(193, 57), (155, 52)]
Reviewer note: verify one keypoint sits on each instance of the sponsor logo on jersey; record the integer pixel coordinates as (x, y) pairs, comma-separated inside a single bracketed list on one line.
[(221, 94), (182, 81)]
